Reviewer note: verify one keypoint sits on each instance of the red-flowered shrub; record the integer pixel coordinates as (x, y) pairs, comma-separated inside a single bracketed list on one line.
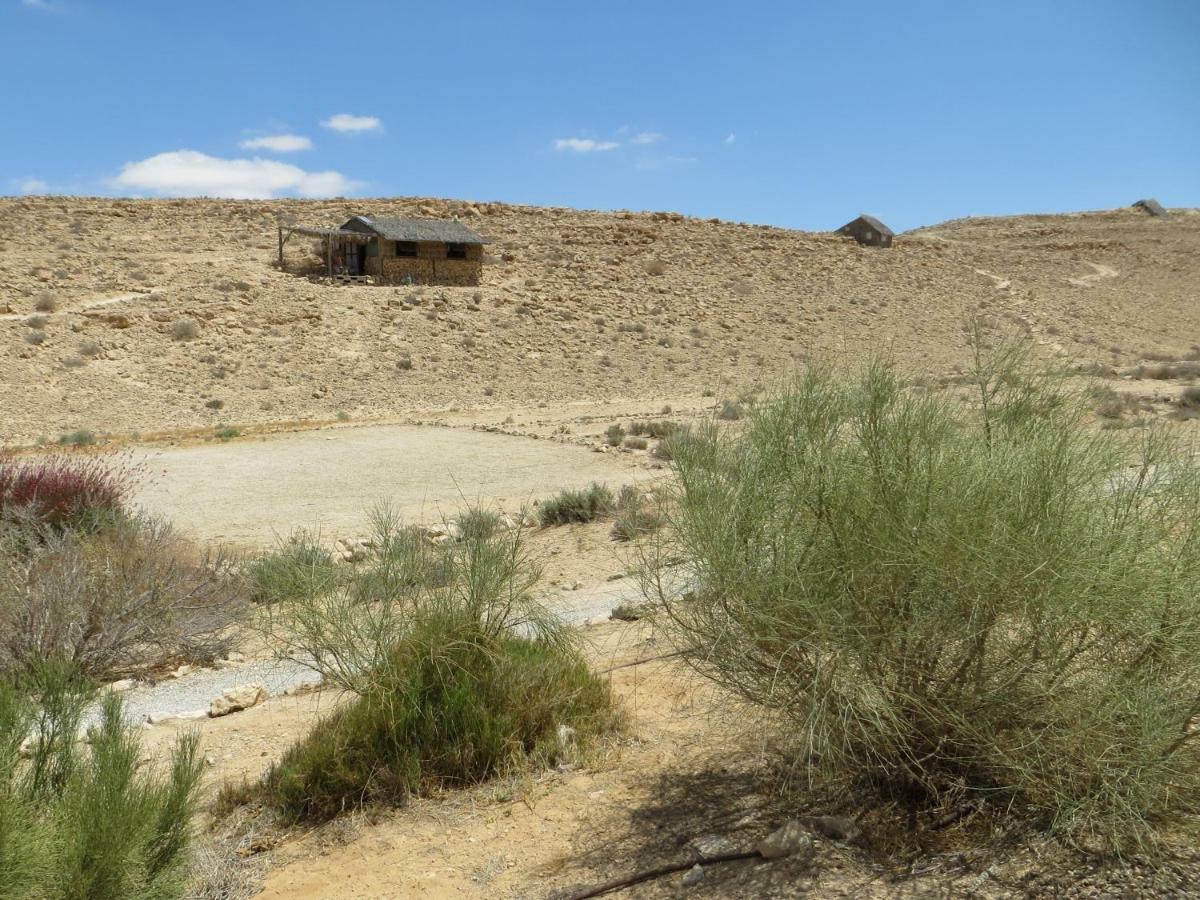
[(64, 491)]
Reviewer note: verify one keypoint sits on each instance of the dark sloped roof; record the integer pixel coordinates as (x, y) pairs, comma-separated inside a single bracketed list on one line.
[(874, 223), (1152, 206), (446, 231)]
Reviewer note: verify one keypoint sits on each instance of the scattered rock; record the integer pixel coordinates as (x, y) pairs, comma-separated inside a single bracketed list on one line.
[(835, 828), (708, 845), (353, 550), (238, 698), (693, 876), (790, 839), (161, 718), (119, 687), (628, 612), (185, 669)]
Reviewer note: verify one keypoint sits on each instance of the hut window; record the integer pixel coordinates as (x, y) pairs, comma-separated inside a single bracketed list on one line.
[(406, 248), (456, 251)]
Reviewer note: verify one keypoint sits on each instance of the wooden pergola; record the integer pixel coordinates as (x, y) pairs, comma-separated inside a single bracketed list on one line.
[(328, 235)]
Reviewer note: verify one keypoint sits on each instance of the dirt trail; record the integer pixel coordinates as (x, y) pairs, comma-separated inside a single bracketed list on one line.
[(249, 491)]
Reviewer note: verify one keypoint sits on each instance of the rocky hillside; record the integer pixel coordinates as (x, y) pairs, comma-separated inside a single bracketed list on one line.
[(121, 316)]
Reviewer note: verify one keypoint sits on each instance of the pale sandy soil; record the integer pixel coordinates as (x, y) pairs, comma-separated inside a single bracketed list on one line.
[(252, 492)]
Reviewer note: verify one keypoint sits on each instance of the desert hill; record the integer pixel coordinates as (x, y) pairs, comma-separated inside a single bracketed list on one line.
[(574, 307)]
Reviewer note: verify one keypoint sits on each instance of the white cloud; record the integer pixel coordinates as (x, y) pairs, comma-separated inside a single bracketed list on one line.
[(584, 145), (278, 143), (648, 137), (32, 186), (43, 5), (348, 124), (188, 173), (730, 138)]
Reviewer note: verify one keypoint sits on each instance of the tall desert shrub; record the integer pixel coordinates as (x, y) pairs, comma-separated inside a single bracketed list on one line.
[(948, 600), (78, 823)]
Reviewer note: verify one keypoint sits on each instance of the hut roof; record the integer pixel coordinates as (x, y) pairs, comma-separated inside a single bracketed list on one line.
[(1152, 206), (447, 231), (874, 223)]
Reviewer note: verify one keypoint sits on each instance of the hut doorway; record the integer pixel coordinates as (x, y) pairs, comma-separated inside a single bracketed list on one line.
[(354, 259)]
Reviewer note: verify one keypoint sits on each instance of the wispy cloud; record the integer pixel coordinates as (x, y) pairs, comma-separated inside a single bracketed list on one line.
[(348, 124), (278, 143), (189, 173), (647, 137), (584, 145), (730, 138), (43, 5), (31, 186)]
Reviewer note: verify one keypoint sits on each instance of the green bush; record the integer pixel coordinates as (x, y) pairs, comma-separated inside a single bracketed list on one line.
[(478, 524), (450, 706), (77, 824), (614, 435), (457, 678), (298, 566), (659, 430), (635, 517), (584, 505), (948, 600), (80, 438)]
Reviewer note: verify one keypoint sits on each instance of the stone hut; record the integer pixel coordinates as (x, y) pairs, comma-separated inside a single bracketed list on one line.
[(397, 251), (869, 231), (1153, 207)]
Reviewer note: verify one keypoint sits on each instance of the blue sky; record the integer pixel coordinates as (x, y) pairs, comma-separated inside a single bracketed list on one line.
[(799, 114)]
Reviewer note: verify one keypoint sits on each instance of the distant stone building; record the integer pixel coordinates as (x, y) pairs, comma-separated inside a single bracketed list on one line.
[(1151, 206), (869, 231), (397, 251)]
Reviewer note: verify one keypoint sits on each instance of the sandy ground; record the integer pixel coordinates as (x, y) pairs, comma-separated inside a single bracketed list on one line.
[(252, 491)]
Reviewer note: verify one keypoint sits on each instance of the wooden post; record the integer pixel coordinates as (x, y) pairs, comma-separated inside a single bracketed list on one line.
[(280, 248)]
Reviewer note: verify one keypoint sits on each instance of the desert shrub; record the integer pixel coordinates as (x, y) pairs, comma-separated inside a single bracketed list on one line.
[(125, 597), (226, 432), (455, 683), (636, 443), (660, 429), (342, 416), (299, 566), (635, 517), (478, 524), (582, 505), (79, 438), (215, 403), (404, 363), (731, 411), (65, 491), (613, 435), (73, 362), (37, 323), (948, 601), (78, 824), (185, 330), (45, 302), (1190, 398), (90, 348), (35, 336), (655, 267)]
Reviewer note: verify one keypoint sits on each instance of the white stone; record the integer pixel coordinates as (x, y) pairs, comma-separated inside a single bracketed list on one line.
[(787, 840), (693, 876), (238, 698)]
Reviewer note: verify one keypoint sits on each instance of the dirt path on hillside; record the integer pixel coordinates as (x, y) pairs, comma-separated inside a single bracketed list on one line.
[(247, 492)]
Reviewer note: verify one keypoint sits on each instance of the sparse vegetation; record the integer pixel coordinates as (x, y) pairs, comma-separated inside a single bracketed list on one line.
[(125, 595), (61, 492), (215, 403), (185, 330), (478, 524), (635, 517), (944, 602), (299, 567), (583, 505), (226, 432), (80, 438), (636, 443), (1190, 398), (90, 349), (35, 337), (74, 362), (613, 435), (447, 692), (731, 411), (36, 323), (45, 302), (404, 363)]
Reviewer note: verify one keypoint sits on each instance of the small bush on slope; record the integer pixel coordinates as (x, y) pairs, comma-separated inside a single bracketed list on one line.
[(460, 673), (298, 566), (577, 505), (939, 600), (87, 825)]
